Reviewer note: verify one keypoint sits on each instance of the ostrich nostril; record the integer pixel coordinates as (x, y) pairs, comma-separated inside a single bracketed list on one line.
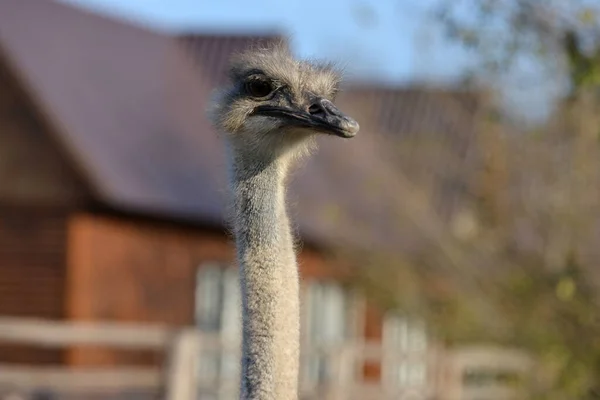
[(317, 110)]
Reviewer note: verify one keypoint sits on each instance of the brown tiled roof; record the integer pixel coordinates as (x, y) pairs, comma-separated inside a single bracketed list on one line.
[(125, 103), (408, 112), (411, 120), (129, 104)]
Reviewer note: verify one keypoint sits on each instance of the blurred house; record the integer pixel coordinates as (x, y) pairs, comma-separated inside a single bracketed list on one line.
[(113, 189)]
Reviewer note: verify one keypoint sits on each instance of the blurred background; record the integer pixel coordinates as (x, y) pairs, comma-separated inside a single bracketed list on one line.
[(450, 251)]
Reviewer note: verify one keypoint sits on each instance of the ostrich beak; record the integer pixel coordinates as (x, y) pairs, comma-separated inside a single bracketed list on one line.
[(321, 116)]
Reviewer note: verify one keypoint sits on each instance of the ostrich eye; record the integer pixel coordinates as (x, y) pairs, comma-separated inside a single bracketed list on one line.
[(258, 88)]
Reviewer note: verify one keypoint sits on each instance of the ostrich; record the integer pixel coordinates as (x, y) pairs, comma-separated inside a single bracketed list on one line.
[(268, 115)]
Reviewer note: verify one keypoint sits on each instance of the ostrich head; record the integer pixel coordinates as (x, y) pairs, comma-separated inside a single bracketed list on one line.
[(274, 103)]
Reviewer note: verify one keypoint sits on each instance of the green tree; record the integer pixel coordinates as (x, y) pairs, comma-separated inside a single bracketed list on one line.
[(560, 35), (521, 268)]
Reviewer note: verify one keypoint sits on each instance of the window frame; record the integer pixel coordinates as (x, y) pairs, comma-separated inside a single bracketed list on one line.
[(397, 354), (354, 331), (223, 366)]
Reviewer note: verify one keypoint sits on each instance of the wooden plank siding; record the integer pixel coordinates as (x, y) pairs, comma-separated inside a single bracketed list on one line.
[(32, 273), (37, 188), (140, 271), (373, 332), (135, 271)]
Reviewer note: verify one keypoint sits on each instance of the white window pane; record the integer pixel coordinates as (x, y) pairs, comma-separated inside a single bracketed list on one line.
[(405, 335), (208, 298), (208, 368), (416, 373), (417, 337), (402, 374), (334, 318), (328, 312), (410, 374), (218, 311), (405, 343), (315, 301), (328, 306), (231, 327)]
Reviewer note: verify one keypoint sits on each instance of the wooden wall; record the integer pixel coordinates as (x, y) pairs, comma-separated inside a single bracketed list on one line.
[(121, 270), (373, 333), (32, 272), (37, 189), (134, 271)]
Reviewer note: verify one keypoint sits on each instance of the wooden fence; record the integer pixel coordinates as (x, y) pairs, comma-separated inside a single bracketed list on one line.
[(178, 378)]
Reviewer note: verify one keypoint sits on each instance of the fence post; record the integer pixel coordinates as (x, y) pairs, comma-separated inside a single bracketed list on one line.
[(182, 368), (339, 385)]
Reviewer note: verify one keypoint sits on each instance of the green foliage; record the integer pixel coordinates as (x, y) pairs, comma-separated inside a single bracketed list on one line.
[(584, 67), (502, 33), (536, 291)]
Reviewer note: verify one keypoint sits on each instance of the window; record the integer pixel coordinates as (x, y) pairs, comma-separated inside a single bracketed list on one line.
[(329, 322), (218, 311), (208, 298), (406, 350)]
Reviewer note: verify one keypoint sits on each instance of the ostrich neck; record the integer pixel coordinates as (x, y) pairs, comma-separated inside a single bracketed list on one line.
[(269, 282)]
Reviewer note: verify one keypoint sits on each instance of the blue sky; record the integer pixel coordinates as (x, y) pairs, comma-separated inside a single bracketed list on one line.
[(391, 41), (387, 40)]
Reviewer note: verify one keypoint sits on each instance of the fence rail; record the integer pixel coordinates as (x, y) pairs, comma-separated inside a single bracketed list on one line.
[(65, 379), (65, 333), (178, 378)]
